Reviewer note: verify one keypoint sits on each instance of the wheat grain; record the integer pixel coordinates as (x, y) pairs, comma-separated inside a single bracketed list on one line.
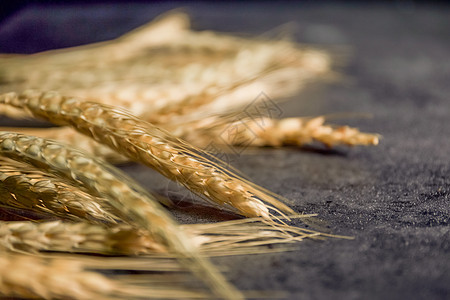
[(123, 193), (148, 144)]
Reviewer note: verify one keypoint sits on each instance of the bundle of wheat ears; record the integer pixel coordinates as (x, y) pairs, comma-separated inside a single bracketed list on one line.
[(174, 91)]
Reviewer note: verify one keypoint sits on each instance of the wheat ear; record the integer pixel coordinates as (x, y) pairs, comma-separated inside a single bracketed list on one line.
[(152, 146), (23, 186), (76, 237), (223, 238), (64, 277), (265, 131), (122, 192), (73, 138)]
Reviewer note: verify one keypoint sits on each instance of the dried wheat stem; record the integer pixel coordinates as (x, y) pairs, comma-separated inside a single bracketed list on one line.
[(23, 186), (123, 193)]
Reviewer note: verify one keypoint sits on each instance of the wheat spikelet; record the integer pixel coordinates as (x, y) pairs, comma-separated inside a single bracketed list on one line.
[(25, 187), (122, 192), (146, 143), (222, 238)]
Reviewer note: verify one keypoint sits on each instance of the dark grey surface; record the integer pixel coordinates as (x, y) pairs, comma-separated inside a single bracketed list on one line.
[(393, 198)]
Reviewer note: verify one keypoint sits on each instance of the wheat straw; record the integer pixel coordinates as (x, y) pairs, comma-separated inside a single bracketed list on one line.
[(123, 193)]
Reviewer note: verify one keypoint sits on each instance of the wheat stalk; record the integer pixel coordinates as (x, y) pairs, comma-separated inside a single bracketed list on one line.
[(148, 144), (123, 193)]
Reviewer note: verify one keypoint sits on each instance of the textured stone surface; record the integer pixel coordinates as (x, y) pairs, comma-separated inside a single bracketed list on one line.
[(393, 198)]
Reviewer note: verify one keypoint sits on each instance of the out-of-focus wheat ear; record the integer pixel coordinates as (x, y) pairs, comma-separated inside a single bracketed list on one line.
[(25, 187), (123, 193), (164, 29), (263, 131), (65, 277), (158, 149), (76, 237), (237, 237)]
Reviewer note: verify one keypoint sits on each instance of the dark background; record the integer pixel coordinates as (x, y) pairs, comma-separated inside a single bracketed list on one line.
[(393, 198)]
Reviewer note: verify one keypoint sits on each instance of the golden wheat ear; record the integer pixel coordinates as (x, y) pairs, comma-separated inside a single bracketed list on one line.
[(73, 277), (73, 138), (264, 131), (80, 237), (26, 187), (158, 149), (237, 237), (123, 193)]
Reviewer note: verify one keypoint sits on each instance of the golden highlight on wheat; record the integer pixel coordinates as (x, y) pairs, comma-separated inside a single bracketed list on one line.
[(122, 192)]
